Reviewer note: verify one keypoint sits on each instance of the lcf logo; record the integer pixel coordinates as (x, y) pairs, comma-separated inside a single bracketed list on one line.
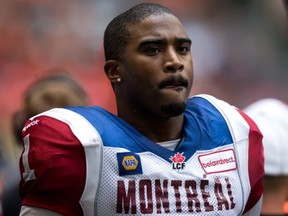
[(178, 161)]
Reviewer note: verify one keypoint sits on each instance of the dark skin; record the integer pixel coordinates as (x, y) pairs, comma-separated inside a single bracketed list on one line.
[(158, 51)]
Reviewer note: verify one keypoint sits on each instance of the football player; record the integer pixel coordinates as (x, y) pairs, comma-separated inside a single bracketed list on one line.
[(162, 154)]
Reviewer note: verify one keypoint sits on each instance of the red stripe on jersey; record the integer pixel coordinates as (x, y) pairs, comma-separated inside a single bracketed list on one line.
[(255, 167), (60, 169)]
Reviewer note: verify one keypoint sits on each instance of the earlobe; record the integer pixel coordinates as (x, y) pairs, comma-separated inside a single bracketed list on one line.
[(112, 71)]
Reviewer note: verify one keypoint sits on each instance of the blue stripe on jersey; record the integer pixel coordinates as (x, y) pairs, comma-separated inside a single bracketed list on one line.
[(204, 126), (113, 130)]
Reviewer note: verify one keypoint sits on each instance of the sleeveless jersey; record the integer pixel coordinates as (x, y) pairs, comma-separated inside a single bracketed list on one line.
[(87, 161)]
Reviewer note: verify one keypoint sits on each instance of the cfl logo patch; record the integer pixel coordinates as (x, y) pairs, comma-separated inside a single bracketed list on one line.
[(178, 161)]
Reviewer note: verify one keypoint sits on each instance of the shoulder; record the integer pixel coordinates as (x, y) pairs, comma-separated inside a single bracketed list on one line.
[(209, 101), (53, 163), (58, 135), (61, 124), (209, 104), (211, 107), (49, 141), (56, 120)]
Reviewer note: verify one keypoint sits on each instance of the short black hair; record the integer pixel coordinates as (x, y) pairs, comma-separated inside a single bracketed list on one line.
[(116, 35)]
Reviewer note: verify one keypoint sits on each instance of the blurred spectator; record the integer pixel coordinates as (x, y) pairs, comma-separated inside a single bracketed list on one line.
[(55, 90), (58, 89), (271, 116)]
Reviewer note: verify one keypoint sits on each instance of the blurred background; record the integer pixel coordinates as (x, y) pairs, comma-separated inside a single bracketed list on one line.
[(240, 49)]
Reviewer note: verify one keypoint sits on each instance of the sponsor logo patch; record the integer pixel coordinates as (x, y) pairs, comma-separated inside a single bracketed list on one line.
[(219, 161), (129, 163)]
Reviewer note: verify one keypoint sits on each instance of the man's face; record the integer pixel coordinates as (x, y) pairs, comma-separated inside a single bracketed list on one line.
[(157, 69)]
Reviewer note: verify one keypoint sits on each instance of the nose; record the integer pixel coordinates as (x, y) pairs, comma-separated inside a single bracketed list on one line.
[(172, 62)]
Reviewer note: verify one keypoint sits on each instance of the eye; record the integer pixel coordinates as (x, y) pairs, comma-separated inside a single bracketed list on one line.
[(183, 49), (151, 51)]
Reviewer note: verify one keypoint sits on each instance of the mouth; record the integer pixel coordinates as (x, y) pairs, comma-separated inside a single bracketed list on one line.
[(174, 83), (175, 88)]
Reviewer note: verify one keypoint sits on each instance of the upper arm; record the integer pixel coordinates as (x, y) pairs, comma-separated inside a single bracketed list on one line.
[(52, 166)]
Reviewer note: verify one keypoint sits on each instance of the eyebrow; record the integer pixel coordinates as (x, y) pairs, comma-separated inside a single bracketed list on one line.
[(160, 41), (184, 40)]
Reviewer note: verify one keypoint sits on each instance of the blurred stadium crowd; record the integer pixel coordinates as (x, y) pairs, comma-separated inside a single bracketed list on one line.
[(240, 48)]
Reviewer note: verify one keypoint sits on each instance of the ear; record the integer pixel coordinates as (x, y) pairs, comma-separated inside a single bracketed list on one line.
[(111, 68)]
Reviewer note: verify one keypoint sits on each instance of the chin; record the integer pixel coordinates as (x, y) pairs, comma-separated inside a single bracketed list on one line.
[(173, 109)]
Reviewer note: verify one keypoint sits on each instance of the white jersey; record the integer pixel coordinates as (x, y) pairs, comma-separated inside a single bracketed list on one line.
[(87, 161)]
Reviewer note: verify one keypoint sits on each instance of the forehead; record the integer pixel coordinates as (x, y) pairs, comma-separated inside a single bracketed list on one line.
[(165, 26)]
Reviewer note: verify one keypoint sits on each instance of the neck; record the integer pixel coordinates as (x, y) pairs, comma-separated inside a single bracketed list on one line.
[(157, 129)]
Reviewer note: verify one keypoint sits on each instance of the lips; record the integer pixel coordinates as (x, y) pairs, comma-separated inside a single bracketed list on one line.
[(174, 83)]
